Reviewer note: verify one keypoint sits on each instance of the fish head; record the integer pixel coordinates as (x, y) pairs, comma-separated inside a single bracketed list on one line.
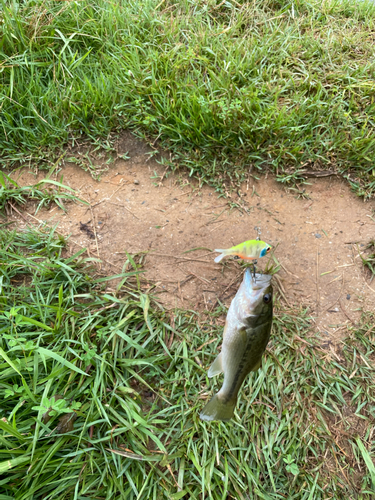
[(265, 250), (258, 292)]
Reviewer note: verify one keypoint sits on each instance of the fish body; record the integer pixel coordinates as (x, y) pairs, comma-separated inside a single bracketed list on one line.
[(249, 250), (246, 335)]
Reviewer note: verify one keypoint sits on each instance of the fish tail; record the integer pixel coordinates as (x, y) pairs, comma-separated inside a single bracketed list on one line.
[(216, 409), (223, 253)]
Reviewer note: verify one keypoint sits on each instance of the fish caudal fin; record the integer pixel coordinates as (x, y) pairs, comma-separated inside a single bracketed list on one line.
[(220, 257), (216, 409)]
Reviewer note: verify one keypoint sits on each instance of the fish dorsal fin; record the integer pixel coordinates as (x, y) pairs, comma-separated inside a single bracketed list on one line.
[(216, 368)]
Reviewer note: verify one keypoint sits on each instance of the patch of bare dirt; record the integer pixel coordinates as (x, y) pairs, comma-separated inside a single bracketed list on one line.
[(134, 208)]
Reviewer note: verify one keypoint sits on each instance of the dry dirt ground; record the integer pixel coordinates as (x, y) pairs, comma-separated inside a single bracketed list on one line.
[(135, 208)]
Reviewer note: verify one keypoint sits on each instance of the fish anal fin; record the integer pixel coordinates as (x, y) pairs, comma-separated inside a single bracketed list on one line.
[(216, 368)]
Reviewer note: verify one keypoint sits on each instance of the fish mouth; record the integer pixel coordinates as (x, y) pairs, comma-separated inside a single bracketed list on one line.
[(259, 282)]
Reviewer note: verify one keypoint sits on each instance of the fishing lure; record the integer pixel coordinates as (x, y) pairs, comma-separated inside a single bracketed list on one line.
[(249, 250)]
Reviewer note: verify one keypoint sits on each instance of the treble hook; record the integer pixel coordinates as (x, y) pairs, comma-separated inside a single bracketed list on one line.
[(255, 262)]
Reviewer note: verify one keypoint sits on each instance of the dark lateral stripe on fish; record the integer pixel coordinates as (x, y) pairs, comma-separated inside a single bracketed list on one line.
[(243, 361)]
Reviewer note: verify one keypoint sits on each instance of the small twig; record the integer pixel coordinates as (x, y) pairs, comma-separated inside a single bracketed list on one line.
[(171, 472), (230, 284), (19, 213), (117, 190), (177, 257), (165, 171), (212, 221), (317, 280), (183, 194), (335, 279), (346, 314), (179, 291), (369, 287), (206, 343), (320, 173), (159, 4), (281, 289), (75, 242), (170, 340), (220, 4), (363, 359), (123, 206), (203, 280), (288, 272), (195, 260), (126, 208), (106, 307), (182, 283), (217, 227), (338, 298), (96, 236), (91, 433), (99, 202)]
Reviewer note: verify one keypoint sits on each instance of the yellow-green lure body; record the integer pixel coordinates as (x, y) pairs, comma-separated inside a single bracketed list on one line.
[(249, 250)]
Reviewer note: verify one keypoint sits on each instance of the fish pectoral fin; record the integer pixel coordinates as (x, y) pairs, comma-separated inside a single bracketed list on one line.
[(216, 368), (243, 336), (257, 366)]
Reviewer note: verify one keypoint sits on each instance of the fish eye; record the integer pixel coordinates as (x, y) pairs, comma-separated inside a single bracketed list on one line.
[(267, 298)]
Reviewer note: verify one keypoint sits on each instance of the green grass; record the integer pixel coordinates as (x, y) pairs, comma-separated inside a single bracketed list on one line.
[(231, 89), (369, 260), (44, 192), (137, 380)]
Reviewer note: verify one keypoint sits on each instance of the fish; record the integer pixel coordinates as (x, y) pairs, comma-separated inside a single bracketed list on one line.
[(246, 334), (249, 250)]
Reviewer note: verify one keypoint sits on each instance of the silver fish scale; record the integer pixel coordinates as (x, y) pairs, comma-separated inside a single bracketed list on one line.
[(256, 345)]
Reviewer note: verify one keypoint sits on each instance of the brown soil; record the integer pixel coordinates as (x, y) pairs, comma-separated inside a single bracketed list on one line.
[(134, 208)]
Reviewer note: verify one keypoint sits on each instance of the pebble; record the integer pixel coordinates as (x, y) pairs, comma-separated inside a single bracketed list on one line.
[(318, 235), (348, 296), (136, 181)]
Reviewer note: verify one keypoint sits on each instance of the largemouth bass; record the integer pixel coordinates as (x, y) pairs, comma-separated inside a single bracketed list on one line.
[(249, 250), (246, 335)]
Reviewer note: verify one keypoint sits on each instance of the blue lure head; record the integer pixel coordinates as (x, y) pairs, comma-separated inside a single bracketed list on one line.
[(265, 251)]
